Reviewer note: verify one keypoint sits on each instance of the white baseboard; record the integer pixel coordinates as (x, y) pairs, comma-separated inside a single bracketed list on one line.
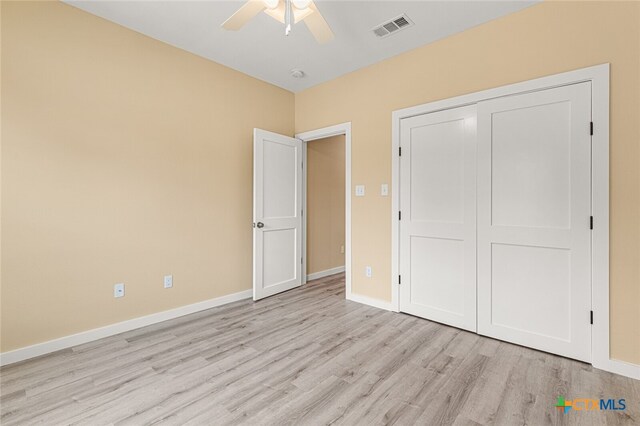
[(376, 303), (325, 273), (620, 367), (612, 365), (117, 328)]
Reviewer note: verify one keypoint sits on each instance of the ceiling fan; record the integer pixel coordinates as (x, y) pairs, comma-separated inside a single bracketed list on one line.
[(286, 11)]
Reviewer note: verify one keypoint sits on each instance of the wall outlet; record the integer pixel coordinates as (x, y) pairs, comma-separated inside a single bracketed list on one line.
[(168, 281), (368, 272), (384, 189), (342, 249), (359, 190), (118, 290)]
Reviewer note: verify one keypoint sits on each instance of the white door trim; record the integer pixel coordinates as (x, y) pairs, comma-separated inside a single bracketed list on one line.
[(598, 75), (326, 132)]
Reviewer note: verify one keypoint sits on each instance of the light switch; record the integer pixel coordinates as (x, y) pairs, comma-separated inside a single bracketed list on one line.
[(359, 190), (384, 189)]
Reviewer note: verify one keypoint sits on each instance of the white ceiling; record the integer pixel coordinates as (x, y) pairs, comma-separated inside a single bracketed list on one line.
[(261, 50)]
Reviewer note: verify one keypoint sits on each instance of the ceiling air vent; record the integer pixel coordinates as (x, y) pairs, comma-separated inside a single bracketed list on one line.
[(387, 28)]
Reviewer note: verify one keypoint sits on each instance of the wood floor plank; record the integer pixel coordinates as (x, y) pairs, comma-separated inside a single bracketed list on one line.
[(305, 357)]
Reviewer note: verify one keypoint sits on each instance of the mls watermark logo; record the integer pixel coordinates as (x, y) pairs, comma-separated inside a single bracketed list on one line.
[(590, 404)]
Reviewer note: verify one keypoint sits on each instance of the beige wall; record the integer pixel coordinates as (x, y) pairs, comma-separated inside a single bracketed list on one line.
[(545, 39), (325, 203), (123, 159)]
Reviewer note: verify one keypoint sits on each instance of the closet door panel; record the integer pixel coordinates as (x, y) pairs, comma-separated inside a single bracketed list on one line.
[(534, 207), (438, 207)]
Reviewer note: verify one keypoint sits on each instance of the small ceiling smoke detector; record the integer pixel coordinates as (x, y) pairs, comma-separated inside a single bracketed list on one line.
[(297, 73), (392, 26)]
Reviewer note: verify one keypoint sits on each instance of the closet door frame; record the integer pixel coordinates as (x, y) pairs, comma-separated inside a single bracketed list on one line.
[(599, 77)]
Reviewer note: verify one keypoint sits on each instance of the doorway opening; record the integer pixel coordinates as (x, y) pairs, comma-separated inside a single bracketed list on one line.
[(321, 243), (325, 207)]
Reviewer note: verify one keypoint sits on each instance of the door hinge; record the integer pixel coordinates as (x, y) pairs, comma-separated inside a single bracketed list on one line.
[(591, 317), (301, 261), (591, 222), (591, 128), (301, 212), (399, 279), (400, 151), (399, 215)]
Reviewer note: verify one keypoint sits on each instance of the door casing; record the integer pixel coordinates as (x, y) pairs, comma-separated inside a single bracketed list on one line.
[(312, 135)]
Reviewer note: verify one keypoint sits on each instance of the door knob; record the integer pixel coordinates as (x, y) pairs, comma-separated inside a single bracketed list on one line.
[(260, 225)]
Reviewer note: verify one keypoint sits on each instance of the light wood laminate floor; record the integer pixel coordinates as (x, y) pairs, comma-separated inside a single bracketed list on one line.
[(305, 357)]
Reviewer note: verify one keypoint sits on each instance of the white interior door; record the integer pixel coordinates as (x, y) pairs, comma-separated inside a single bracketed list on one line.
[(534, 281), (438, 216), (277, 213)]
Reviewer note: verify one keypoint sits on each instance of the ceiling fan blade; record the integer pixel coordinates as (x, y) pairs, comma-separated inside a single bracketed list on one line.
[(318, 26), (248, 10)]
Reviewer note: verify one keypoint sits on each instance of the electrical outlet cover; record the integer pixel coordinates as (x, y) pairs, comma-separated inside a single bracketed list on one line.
[(168, 281), (118, 290)]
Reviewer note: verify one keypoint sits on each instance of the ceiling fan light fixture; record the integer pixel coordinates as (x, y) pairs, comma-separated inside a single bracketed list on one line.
[(271, 4), (301, 4), (279, 13), (286, 11)]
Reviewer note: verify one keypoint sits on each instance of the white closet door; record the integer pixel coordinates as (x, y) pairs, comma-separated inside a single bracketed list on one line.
[(534, 282), (277, 213), (438, 224)]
